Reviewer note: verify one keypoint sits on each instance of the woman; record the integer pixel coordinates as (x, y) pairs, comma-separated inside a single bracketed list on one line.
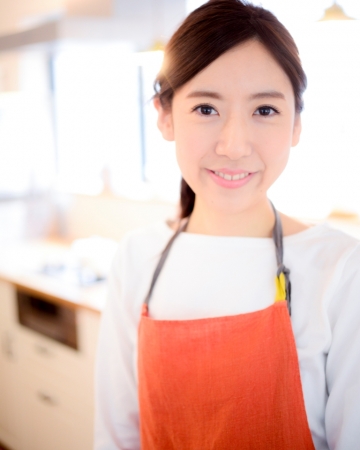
[(199, 347)]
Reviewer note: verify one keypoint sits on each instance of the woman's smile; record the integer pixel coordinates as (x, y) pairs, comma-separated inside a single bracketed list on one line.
[(230, 179)]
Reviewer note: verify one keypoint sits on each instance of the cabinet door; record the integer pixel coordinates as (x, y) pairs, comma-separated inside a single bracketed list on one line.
[(9, 400), (9, 362), (54, 418)]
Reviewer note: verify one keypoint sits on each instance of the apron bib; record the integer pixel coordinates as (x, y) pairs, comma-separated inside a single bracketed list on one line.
[(222, 383)]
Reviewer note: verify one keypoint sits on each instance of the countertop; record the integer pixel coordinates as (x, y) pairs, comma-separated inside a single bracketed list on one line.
[(20, 264)]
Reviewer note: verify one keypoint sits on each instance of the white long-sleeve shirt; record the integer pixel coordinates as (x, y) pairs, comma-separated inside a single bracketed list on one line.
[(210, 276)]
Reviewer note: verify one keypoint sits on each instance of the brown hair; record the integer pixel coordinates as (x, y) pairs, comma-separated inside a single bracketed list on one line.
[(208, 32)]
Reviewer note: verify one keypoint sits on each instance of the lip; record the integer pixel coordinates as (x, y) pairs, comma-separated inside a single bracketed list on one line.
[(230, 184)]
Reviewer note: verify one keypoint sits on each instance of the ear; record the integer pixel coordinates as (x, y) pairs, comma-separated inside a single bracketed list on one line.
[(296, 130), (164, 122)]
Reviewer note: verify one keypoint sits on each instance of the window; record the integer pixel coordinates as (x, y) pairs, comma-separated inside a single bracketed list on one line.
[(26, 127), (106, 124)]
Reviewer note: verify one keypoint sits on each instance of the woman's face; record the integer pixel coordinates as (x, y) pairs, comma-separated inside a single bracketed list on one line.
[(233, 124)]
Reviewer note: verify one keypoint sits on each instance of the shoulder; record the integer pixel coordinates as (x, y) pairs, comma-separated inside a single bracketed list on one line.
[(325, 262), (132, 268), (323, 237), (319, 237), (294, 229), (143, 244), (323, 253), (323, 233), (340, 248), (149, 237)]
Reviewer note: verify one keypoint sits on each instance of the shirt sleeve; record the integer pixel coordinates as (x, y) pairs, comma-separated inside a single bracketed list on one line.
[(116, 403), (342, 415)]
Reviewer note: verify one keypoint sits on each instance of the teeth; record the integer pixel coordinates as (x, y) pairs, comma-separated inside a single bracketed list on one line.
[(228, 177)]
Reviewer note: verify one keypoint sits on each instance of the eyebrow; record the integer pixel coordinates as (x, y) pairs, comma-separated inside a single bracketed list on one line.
[(209, 94), (267, 94), (258, 95)]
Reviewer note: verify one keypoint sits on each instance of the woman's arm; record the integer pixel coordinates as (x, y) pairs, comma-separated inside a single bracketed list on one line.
[(116, 420), (342, 416)]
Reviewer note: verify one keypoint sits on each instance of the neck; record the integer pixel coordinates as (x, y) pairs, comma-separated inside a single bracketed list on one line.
[(255, 221)]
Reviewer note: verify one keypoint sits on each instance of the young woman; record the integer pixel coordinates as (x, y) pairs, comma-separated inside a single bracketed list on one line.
[(220, 333)]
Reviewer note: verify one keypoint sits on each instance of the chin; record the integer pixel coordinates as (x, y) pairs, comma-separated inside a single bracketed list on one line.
[(232, 206)]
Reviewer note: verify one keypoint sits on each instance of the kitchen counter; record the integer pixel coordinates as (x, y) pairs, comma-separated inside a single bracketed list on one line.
[(48, 354), (21, 263)]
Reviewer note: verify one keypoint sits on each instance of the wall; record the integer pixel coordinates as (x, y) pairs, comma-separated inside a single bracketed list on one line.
[(141, 22), (84, 216), (13, 12)]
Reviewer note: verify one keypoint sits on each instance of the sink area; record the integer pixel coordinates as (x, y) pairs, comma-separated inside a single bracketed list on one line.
[(77, 274)]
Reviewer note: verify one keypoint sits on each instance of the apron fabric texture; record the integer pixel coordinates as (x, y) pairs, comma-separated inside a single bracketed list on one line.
[(222, 383)]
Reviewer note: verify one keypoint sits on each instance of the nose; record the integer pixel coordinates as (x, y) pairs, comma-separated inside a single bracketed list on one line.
[(235, 139)]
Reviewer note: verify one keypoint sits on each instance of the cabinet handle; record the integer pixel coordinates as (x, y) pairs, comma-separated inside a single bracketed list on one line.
[(44, 351), (46, 398)]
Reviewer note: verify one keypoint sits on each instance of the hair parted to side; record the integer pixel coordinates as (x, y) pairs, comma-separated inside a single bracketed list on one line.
[(207, 33)]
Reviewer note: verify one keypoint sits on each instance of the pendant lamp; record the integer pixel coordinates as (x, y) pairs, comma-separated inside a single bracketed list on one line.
[(335, 12)]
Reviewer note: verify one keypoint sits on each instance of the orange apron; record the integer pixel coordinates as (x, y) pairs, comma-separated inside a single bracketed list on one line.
[(222, 383)]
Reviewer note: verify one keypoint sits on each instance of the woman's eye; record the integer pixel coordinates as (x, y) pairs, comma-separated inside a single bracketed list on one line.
[(266, 111), (206, 110)]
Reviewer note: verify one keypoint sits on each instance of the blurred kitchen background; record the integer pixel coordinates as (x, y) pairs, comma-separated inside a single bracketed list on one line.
[(82, 163)]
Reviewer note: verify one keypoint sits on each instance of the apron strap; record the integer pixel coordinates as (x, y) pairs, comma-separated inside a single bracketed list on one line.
[(164, 254), (278, 240)]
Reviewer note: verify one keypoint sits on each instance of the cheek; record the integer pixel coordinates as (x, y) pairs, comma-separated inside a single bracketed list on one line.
[(192, 148), (274, 152), (187, 159)]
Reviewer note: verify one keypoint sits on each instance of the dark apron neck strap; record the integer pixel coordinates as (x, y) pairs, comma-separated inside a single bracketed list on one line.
[(164, 254), (279, 249)]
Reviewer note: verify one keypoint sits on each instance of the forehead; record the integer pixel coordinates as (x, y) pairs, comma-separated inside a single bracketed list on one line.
[(246, 69)]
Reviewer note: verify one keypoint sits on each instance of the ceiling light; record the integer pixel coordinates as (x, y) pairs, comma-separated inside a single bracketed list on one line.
[(335, 12)]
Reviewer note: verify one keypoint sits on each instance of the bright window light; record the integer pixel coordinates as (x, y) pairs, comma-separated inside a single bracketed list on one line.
[(97, 103), (26, 144), (106, 124), (27, 154), (322, 174)]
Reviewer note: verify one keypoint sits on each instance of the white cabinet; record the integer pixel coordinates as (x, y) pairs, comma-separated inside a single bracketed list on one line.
[(9, 368), (60, 418), (46, 391)]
